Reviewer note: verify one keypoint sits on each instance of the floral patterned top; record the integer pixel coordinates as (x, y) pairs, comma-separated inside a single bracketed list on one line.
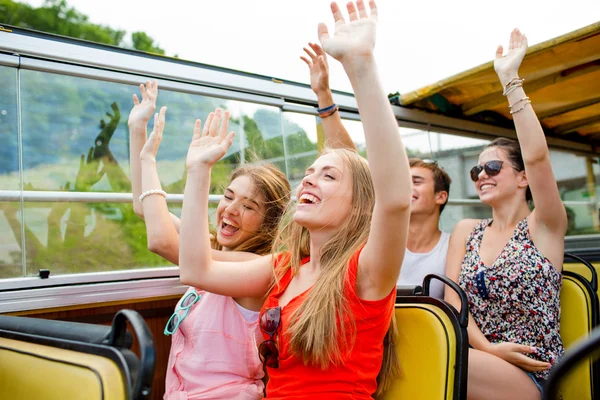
[(517, 298)]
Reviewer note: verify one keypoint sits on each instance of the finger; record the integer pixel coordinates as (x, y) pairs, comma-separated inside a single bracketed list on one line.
[(352, 12), (317, 49), (224, 125), (521, 348), (310, 54), (214, 125), (323, 33), (229, 140), (143, 91), (197, 133), (306, 60), (207, 123), (337, 14), (322, 64), (161, 118), (135, 100), (90, 154), (373, 8), (524, 43), (513, 35), (362, 11), (499, 51)]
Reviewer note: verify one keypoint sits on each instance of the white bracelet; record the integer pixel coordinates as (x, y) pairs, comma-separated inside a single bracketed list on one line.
[(151, 192)]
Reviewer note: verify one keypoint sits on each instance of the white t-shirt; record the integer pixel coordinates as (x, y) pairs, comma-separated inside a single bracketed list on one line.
[(416, 265)]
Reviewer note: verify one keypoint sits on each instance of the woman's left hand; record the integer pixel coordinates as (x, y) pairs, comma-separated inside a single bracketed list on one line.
[(210, 144), (352, 40), (507, 66)]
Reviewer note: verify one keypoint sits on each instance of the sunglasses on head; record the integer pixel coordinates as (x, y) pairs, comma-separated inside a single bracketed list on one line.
[(269, 323), (429, 161), (492, 168), (182, 311)]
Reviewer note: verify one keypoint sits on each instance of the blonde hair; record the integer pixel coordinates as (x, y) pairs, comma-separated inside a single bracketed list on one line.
[(275, 188), (314, 332)]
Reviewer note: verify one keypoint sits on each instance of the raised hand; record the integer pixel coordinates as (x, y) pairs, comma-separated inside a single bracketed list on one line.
[(351, 40), (142, 111), (101, 149), (507, 66), (319, 70), (150, 149), (210, 144)]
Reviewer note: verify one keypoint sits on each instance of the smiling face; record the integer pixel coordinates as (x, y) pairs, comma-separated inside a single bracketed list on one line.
[(240, 213), (424, 198), (325, 194), (507, 184)]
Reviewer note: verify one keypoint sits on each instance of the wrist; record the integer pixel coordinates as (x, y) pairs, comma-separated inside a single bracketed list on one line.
[(137, 124), (325, 98), (506, 78), (148, 159), (356, 65), (198, 169)]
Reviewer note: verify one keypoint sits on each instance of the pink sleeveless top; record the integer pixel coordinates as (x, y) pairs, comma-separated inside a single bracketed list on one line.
[(214, 354)]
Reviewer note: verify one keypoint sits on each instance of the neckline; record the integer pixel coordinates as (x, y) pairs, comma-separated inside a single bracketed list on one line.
[(487, 223), (278, 295), (438, 244)]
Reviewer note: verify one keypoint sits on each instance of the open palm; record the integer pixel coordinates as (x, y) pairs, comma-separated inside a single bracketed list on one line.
[(211, 143), (142, 111), (351, 39), (507, 66)]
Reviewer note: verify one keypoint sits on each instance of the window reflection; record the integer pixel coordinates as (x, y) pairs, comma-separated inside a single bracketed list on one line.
[(87, 120)]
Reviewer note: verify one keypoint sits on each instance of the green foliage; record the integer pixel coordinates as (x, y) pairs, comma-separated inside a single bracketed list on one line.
[(56, 17)]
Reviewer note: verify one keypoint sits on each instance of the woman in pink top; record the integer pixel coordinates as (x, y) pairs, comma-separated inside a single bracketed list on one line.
[(214, 346)]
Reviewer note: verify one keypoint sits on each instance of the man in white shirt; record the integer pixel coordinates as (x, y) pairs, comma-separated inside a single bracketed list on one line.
[(427, 246)]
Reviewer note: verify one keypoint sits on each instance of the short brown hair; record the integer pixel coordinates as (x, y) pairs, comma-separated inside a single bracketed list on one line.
[(441, 178)]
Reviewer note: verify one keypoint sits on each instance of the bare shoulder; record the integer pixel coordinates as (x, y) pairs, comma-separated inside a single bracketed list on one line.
[(464, 227)]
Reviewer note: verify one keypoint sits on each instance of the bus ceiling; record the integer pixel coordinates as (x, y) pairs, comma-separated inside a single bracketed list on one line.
[(562, 79)]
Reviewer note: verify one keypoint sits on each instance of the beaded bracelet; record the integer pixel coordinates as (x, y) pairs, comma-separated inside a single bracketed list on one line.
[(524, 105), (151, 192), (512, 85)]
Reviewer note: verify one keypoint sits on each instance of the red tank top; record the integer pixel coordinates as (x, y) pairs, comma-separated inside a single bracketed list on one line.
[(356, 377)]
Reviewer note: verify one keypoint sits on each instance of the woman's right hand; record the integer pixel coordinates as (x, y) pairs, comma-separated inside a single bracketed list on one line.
[(317, 65), (142, 111), (211, 143), (151, 146), (516, 354)]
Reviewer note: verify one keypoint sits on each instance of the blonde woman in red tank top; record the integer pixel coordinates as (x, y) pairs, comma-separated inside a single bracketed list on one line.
[(331, 291)]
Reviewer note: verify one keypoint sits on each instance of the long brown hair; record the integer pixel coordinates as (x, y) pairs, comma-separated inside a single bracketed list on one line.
[(275, 188), (314, 331)]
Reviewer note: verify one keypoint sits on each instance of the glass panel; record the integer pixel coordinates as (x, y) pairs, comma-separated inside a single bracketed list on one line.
[(75, 138), (10, 216)]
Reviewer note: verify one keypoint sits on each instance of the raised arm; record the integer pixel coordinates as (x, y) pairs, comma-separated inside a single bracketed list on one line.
[(352, 44), (197, 266), (549, 213), (163, 238), (138, 120), (336, 135)]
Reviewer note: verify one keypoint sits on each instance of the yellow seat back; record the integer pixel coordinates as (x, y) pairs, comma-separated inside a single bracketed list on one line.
[(576, 322), (430, 352), (35, 371)]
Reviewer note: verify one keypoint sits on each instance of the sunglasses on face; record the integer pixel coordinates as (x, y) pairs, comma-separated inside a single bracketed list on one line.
[(492, 168), (182, 311), (269, 323)]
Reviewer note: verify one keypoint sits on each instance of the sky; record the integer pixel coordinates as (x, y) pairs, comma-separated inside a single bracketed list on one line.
[(418, 42)]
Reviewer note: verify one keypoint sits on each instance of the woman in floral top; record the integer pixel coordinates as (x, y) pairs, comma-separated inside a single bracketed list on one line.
[(510, 265)]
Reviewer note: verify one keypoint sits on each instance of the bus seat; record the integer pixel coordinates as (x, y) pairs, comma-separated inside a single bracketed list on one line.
[(432, 344), (581, 353), (584, 268), (69, 365), (579, 310)]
